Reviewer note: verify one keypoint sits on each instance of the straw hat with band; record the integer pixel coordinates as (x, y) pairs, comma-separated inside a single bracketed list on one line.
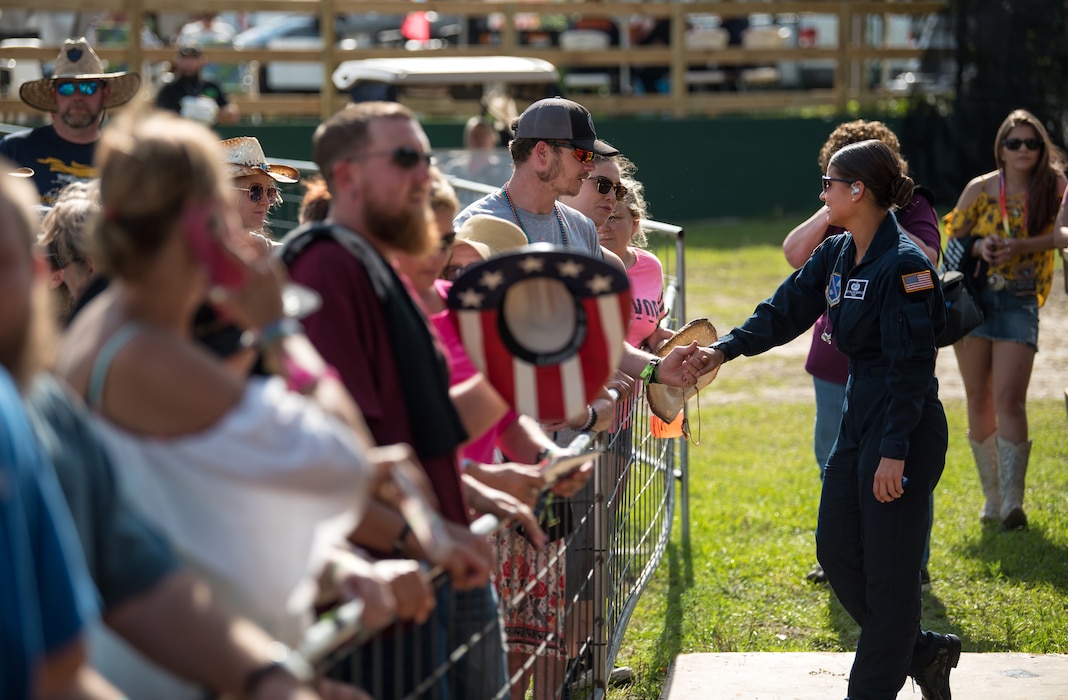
[(667, 401), (78, 61), (490, 236), (244, 156)]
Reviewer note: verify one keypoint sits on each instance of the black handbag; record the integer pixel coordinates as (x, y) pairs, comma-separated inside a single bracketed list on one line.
[(963, 315)]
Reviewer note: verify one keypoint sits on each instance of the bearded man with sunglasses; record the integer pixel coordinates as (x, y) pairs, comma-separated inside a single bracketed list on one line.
[(77, 96)]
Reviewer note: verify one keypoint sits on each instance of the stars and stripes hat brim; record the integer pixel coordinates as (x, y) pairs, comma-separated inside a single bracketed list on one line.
[(545, 325)]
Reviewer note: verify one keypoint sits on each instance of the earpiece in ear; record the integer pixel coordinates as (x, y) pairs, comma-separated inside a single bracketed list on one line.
[(855, 190)]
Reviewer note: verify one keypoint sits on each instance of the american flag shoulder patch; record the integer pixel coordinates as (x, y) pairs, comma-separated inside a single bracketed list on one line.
[(917, 281)]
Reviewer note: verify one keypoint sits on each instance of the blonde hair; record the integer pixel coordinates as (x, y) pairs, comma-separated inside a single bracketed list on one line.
[(315, 205), (637, 208), (151, 166), (442, 195), (18, 200), (64, 235)]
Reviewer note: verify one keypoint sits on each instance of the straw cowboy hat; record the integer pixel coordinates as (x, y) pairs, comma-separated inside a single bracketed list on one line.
[(545, 326), (244, 156), (78, 61), (666, 401), (490, 236)]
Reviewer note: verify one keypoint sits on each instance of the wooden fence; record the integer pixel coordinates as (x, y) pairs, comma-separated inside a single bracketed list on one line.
[(851, 56)]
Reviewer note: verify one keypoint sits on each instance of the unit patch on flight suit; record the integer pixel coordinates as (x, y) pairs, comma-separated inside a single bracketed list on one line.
[(917, 281), (856, 289), (834, 289)]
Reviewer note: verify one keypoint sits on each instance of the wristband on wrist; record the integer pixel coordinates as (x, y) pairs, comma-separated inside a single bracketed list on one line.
[(591, 419), (398, 544), (304, 381), (651, 373), (283, 660)]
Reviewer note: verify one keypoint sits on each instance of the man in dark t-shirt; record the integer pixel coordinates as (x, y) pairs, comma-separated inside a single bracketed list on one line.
[(181, 93), (77, 95)]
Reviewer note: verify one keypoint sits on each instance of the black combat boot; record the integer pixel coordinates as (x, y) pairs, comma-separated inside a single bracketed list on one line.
[(934, 679)]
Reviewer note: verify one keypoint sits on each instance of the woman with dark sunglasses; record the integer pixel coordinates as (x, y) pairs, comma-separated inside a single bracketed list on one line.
[(602, 188), (257, 182), (1008, 214), (885, 308)]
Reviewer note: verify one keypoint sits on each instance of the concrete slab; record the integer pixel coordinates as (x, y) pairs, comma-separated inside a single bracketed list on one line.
[(823, 676)]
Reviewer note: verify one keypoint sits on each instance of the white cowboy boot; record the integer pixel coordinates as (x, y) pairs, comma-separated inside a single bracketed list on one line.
[(986, 459), (1012, 470)]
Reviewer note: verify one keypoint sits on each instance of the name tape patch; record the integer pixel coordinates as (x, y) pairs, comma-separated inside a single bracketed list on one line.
[(856, 289)]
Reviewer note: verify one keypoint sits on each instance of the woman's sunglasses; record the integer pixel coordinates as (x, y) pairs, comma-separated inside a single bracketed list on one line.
[(581, 154), (604, 186), (86, 87), (828, 180), (1014, 144), (404, 157), (256, 192)]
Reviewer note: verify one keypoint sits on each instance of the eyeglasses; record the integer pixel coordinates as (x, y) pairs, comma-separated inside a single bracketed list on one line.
[(581, 154), (452, 272), (404, 157), (86, 87), (828, 180), (1014, 144), (447, 239), (256, 192), (604, 186)]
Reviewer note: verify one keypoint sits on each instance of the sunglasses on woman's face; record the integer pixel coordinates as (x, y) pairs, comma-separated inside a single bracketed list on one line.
[(86, 87), (1014, 144), (828, 180), (256, 192), (604, 186)]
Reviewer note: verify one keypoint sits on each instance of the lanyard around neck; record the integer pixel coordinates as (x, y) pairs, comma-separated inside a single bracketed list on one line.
[(556, 210)]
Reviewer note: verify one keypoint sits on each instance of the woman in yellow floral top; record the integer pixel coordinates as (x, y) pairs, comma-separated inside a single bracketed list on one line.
[(1010, 212)]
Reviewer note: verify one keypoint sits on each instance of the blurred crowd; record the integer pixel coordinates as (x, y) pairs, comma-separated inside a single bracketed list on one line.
[(211, 436)]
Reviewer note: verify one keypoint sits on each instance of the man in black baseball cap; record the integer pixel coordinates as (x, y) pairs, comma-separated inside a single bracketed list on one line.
[(553, 150), (558, 119), (188, 93)]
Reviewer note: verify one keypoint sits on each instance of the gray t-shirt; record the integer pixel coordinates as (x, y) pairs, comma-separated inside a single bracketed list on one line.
[(540, 228)]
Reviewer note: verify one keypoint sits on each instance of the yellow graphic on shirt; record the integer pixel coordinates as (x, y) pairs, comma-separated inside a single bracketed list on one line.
[(55, 165)]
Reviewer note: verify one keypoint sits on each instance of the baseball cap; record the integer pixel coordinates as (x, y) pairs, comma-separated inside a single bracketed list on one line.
[(557, 119)]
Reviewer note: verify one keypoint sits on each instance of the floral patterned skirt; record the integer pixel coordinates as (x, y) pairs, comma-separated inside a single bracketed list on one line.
[(530, 584)]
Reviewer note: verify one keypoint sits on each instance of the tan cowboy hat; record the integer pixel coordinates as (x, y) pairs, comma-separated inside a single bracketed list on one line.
[(490, 235), (244, 156), (667, 401), (78, 61)]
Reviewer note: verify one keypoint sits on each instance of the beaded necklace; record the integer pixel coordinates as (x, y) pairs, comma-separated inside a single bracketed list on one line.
[(556, 210), (1004, 209)]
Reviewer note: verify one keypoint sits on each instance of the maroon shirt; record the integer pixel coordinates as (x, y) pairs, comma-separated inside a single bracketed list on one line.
[(350, 333)]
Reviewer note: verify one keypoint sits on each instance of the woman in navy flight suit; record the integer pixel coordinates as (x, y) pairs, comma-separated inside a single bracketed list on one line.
[(885, 308)]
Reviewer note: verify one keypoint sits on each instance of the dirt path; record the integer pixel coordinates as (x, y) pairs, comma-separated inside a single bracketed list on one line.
[(779, 374)]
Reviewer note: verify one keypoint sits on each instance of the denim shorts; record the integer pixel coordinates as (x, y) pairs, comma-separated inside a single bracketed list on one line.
[(1009, 317)]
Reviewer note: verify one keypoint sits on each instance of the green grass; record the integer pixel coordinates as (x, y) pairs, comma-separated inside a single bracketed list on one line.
[(737, 584)]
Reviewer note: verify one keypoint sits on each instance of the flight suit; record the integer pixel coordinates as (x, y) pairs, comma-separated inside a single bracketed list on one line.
[(884, 314)]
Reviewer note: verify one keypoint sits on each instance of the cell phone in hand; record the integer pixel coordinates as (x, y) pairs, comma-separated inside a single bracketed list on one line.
[(203, 227)]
